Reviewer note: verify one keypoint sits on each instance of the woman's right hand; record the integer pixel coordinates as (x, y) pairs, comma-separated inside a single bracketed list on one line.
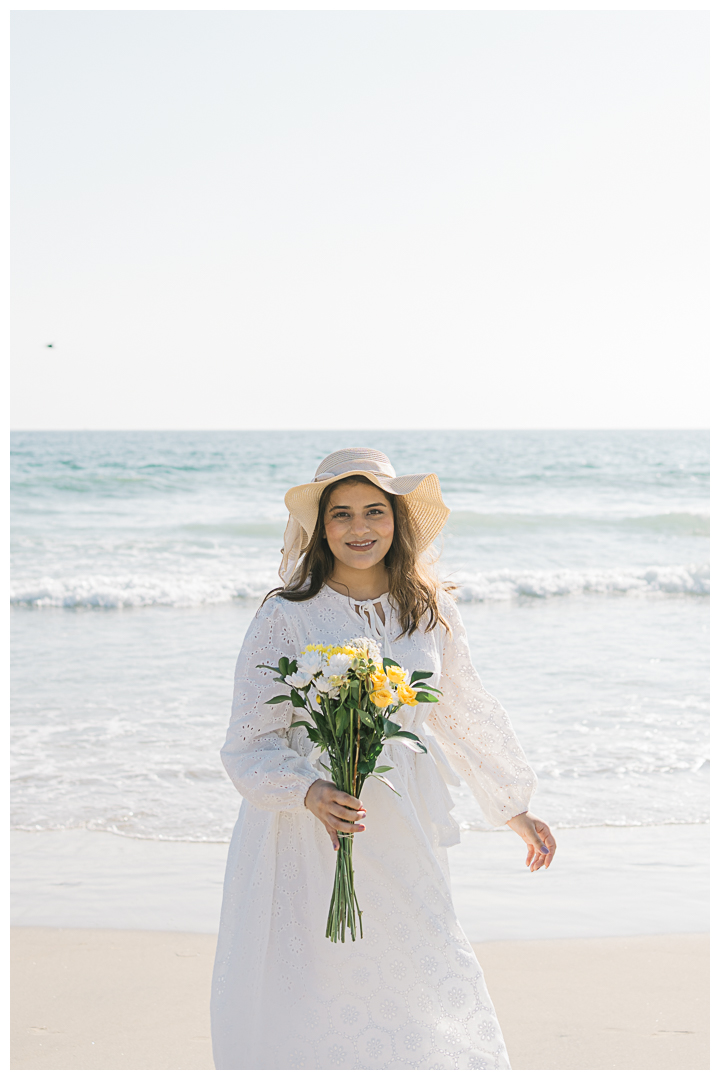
[(335, 809)]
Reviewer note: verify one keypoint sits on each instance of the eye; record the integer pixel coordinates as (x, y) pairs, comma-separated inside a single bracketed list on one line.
[(376, 510)]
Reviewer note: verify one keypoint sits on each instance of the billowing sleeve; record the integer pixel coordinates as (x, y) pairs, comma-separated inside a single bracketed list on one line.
[(257, 756), (475, 732)]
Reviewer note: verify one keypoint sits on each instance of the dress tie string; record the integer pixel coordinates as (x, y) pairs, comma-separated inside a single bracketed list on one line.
[(367, 609)]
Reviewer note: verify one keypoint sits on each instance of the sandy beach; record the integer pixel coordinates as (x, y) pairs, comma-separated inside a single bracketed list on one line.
[(113, 944), (129, 999)]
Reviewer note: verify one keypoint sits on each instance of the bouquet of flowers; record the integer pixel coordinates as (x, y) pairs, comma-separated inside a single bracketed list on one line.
[(350, 693)]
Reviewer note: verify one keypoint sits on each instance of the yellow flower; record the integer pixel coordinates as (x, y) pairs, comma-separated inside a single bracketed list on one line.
[(379, 680), (396, 675), (382, 698), (406, 694)]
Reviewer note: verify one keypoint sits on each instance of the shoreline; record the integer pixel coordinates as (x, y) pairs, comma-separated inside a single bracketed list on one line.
[(128, 999), (604, 882)]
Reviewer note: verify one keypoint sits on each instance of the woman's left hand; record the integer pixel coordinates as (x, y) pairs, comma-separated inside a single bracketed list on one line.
[(536, 834)]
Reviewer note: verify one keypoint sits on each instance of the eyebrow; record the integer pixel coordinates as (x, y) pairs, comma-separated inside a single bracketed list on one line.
[(367, 506)]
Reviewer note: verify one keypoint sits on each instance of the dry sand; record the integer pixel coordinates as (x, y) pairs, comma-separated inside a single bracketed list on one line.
[(138, 999)]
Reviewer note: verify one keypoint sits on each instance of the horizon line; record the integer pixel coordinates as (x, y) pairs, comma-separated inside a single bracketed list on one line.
[(388, 430)]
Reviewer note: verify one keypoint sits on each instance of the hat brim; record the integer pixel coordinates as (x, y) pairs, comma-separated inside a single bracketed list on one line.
[(420, 492)]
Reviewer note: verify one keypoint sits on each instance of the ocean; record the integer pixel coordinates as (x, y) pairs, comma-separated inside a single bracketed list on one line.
[(139, 558)]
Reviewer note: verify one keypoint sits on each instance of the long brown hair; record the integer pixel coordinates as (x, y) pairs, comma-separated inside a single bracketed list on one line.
[(412, 584)]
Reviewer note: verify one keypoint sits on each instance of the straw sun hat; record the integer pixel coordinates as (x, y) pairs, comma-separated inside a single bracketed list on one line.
[(421, 492)]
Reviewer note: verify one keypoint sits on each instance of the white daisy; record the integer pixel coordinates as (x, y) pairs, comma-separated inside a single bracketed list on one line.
[(324, 685), (299, 680), (310, 663), (337, 664)]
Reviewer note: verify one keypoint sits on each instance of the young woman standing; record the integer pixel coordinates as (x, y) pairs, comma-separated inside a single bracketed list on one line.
[(410, 994)]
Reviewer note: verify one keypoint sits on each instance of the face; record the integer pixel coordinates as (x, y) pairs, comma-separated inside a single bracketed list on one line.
[(359, 525)]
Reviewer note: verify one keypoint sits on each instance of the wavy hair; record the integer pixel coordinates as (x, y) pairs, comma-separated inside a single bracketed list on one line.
[(412, 583)]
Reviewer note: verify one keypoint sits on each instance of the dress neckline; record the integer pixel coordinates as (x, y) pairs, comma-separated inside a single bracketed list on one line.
[(351, 599), (369, 612)]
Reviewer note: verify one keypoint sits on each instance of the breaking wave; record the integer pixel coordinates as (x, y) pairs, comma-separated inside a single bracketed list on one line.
[(139, 590), (515, 584)]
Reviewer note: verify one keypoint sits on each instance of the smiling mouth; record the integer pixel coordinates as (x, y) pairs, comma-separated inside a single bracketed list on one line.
[(363, 545)]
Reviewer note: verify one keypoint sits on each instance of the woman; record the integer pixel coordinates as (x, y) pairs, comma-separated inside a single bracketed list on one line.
[(410, 994)]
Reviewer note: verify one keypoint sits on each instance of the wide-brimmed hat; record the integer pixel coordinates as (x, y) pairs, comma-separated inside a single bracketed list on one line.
[(420, 491)]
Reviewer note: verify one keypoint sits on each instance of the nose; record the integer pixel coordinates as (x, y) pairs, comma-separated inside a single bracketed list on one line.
[(360, 528)]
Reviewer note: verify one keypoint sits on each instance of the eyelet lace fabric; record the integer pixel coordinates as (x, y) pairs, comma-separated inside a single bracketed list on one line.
[(410, 994)]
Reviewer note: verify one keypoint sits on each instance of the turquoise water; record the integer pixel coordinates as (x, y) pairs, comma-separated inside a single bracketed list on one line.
[(138, 560)]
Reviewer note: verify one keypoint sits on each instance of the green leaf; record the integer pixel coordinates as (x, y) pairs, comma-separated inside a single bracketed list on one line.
[(283, 665), (384, 780), (317, 716), (366, 718), (277, 700), (364, 767), (301, 723), (342, 720), (292, 667), (269, 667), (296, 699), (382, 768), (408, 735), (420, 675), (387, 662), (415, 745), (390, 727), (426, 686), (422, 697)]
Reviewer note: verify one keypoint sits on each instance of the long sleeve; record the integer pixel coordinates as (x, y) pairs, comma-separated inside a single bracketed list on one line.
[(257, 756), (475, 732)]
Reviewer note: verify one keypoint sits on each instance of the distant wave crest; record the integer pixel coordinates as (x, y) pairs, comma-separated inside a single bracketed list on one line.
[(515, 584), (99, 591), (110, 591)]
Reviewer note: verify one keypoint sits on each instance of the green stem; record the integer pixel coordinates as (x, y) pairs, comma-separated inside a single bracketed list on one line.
[(345, 913)]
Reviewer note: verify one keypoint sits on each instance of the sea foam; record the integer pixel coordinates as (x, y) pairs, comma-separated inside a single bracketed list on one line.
[(651, 580), (145, 590)]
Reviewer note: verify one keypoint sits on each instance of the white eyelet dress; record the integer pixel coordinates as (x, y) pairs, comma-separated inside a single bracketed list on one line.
[(410, 994)]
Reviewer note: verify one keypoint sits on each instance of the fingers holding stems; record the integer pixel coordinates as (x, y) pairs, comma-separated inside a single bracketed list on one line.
[(335, 809)]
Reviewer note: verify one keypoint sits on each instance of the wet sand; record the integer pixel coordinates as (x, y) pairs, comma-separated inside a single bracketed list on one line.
[(604, 882)]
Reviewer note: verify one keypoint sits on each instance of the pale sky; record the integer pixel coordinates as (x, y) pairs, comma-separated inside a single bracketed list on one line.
[(335, 219)]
